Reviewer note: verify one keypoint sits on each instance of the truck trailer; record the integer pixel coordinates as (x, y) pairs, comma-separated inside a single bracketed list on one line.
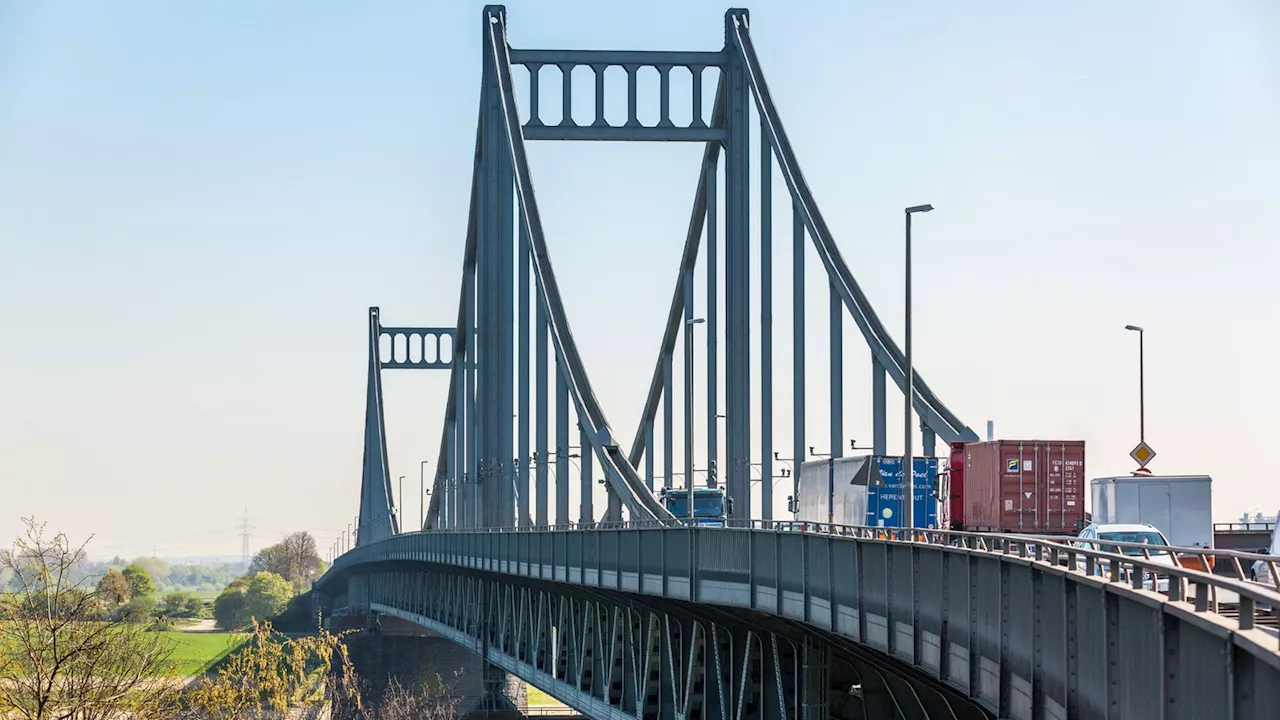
[(1180, 506), (1019, 486), (867, 490)]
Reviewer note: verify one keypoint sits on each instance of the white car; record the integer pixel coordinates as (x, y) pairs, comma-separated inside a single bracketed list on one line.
[(1094, 537)]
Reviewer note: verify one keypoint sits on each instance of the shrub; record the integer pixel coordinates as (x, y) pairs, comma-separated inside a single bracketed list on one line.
[(138, 609)]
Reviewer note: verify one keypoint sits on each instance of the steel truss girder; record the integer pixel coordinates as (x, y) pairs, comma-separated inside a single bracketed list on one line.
[(616, 655)]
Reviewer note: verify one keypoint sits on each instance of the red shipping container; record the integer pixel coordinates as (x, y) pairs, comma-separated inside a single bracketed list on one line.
[(955, 474), (1021, 486)]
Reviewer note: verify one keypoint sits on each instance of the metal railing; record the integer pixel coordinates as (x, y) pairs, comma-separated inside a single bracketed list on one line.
[(1243, 527), (1201, 590), (1238, 561), (560, 711)]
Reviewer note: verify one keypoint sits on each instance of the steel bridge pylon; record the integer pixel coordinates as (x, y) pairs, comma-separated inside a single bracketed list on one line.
[(420, 348), (505, 458)]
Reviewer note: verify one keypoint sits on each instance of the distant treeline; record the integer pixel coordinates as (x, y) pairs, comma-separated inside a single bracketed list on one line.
[(167, 577)]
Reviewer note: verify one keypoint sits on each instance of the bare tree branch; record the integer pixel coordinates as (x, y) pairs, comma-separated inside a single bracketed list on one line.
[(61, 656)]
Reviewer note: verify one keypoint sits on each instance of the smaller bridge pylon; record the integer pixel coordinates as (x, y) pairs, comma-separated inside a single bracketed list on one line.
[(420, 348)]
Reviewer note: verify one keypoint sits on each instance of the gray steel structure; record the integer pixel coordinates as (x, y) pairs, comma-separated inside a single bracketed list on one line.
[(647, 618), (413, 348), (950, 625), (511, 316)]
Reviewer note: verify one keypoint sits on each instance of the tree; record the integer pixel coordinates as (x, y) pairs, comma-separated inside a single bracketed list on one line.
[(267, 596), (113, 588), (176, 604), (295, 559), (228, 608), (273, 676), (140, 584), (305, 564), (64, 656), (138, 609), (272, 559), (194, 606), (299, 616)]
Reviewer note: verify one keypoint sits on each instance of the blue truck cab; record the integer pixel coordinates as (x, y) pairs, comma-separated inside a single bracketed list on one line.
[(710, 505)]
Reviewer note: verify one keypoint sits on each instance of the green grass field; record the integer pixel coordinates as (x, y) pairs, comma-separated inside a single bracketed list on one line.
[(195, 653), (538, 698)]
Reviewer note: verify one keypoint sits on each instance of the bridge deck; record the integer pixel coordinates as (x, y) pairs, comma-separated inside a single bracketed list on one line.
[(1018, 625)]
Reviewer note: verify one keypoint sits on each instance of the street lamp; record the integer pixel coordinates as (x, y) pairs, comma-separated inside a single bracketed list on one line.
[(422, 494), (908, 474), (688, 411), (400, 504), (1142, 401)]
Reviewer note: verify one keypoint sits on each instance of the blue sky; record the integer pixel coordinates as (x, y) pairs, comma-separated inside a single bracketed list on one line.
[(199, 201)]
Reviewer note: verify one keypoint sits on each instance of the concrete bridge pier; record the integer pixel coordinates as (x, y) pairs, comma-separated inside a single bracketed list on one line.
[(503, 696), (387, 648)]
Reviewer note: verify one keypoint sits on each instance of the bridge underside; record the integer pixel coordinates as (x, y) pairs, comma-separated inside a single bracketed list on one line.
[(615, 654)]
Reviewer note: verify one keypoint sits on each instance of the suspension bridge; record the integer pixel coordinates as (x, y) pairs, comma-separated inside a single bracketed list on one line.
[(623, 610)]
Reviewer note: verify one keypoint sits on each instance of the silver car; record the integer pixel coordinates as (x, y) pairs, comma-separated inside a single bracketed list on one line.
[(1095, 537)]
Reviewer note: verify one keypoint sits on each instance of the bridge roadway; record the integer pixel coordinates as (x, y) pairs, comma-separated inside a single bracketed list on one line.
[(638, 620)]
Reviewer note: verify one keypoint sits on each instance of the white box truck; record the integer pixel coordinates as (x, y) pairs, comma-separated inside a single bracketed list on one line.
[(1180, 506)]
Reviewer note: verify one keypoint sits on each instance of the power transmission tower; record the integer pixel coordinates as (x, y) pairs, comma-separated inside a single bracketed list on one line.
[(244, 540)]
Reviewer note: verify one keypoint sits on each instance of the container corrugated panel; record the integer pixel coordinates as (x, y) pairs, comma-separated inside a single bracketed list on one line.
[(885, 499), (955, 467), (1030, 486), (834, 490)]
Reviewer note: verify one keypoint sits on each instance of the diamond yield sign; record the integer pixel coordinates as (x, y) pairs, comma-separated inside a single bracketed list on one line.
[(1143, 454)]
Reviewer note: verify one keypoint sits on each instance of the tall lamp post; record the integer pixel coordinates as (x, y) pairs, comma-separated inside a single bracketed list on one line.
[(400, 504), (1142, 400), (908, 474), (422, 494), (688, 412)]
